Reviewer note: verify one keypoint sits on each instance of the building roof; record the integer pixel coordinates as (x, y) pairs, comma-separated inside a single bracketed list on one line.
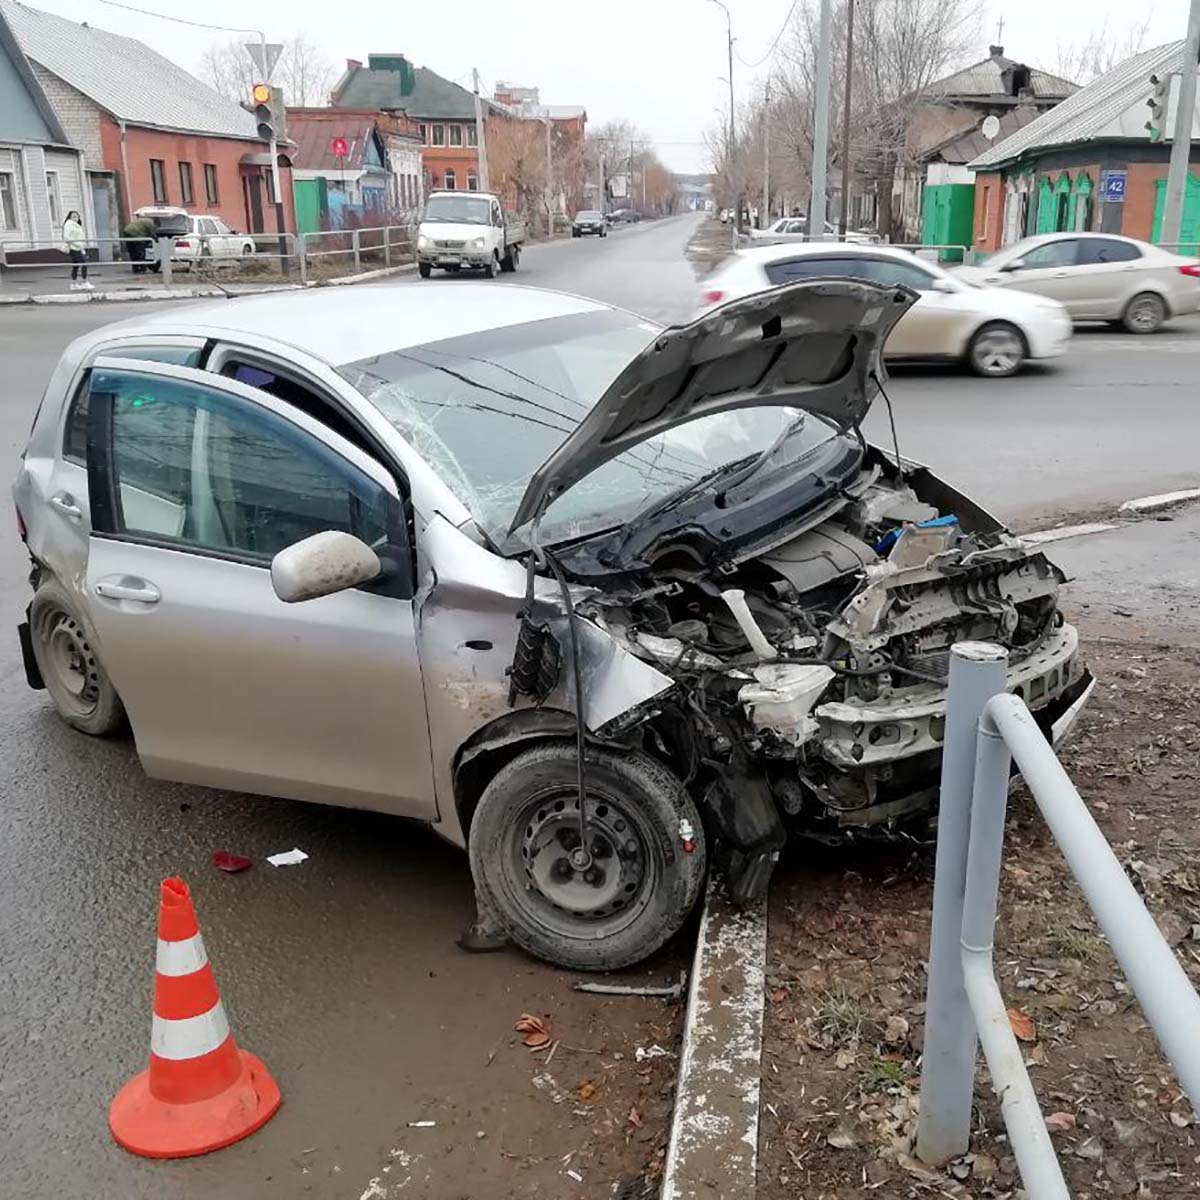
[(11, 49), (314, 136), (566, 112), (125, 77), (431, 94), (992, 79), (963, 147), (1113, 106)]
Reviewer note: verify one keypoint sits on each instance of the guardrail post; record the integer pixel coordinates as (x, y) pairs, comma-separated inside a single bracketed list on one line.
[(354, 242), (978, 671), (165, 247), (387, 245)]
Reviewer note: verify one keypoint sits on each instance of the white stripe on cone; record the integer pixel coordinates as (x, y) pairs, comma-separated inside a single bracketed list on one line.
[(180, 958), (189, 1037)]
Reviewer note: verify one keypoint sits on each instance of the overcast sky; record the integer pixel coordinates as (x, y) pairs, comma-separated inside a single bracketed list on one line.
[(657, 62)]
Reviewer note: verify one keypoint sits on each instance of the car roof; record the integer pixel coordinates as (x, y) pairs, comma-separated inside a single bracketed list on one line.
[(1084, 235), (346, 324), (777, 250)]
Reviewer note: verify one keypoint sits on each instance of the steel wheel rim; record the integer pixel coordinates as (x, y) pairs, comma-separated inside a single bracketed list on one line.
[(545, 886), (998, 351), (1144, 313), (71, 663)]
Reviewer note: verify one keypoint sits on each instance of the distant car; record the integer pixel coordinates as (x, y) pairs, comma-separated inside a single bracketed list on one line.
[(588, 221), (624, 216), (196, 237), (1098, 277), (992, 331), (798, 226)]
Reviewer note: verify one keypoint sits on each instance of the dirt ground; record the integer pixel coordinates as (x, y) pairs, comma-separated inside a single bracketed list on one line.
[(849, 937)]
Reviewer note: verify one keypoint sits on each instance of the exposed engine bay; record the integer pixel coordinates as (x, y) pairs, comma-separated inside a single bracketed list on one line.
[(810, 673)]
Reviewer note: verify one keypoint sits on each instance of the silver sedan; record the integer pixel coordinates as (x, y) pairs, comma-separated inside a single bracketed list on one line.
[(1098, 277)]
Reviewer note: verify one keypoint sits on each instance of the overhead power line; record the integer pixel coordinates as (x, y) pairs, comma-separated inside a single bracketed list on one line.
[(146, 12), (782, 29)]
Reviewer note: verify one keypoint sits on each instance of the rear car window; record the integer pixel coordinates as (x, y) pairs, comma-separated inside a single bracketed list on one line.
[(1106, 250), (875, 270)]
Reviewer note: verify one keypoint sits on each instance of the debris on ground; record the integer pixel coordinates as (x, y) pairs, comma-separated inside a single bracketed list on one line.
[(287, 858), (672, 991), (536, 1031), (230, 863), (849, 936)]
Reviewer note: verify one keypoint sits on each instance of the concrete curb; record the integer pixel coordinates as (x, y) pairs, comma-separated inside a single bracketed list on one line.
[(713, 1150), (1044, 536), (132, 296), (1149, 504)]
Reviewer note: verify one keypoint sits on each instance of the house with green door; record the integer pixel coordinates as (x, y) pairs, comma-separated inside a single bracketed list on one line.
[(1097, 161)]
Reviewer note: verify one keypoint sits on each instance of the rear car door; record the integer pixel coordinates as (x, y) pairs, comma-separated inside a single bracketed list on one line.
[(1106, 277), (1049, 270), (195, 483)]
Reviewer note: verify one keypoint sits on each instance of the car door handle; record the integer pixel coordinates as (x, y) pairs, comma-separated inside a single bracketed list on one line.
[(143, 592), (67, 506), (1060, 274)]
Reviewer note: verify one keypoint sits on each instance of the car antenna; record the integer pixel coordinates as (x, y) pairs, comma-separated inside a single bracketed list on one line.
[(891, 421)]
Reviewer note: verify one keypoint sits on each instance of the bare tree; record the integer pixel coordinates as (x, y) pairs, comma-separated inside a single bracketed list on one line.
[(1100, 50), (516, 151), (303, 72)]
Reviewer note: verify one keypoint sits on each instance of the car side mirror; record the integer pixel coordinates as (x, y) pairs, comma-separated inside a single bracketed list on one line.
[(1015, 265), (943, 285), (321, 565)]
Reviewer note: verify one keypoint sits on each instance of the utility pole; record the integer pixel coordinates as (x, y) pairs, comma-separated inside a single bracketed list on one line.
[(481, 138), (820, 162), (843, 223), (764, 218), (731, 149), (1185, 115)]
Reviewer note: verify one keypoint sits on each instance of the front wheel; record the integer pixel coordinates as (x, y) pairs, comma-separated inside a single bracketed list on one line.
[(492, 269), (997, 350), (73, 675), (1144, 313), (605, 906), (424, 270)]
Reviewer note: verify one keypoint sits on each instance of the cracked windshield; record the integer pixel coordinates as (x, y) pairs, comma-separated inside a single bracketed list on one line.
[(486, 410)]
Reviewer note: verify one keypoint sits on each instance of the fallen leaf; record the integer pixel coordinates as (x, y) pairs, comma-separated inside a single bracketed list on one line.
[(635, 1118), (536, 1031), (1022, 1025), (1058, 1121), (896, 1029), (843, 1059), (536, 1040), (779, 995), (1180, 1120), (586, 1090), (842, 1139), (231, 863)]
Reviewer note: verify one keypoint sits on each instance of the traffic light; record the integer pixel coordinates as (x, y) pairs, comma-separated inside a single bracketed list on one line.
[(269, 112), (1157, 104)]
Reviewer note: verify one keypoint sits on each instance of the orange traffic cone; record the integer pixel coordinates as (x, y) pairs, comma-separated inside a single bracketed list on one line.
[(200, 1092)]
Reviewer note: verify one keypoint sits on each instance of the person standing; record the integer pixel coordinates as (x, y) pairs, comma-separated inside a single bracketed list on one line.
[(73, 241)]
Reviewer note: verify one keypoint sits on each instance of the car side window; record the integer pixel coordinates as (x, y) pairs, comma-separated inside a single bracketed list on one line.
[(1051, 254), (889, 273), (208, 226), (789, 270), (75, 434), (198, 468), (1106, 250)]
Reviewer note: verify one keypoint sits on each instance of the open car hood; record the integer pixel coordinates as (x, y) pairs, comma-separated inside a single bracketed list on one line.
[(813, 345)]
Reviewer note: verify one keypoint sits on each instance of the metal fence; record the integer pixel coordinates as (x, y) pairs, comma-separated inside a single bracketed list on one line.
[(986, 731), (355, 250), (950, 253)]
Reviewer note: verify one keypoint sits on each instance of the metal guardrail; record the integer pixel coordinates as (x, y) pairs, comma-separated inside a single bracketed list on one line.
[(377, 246), (986, 730), (934, 251)]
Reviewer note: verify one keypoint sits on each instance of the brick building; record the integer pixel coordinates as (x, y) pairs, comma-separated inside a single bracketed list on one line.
[(1089, 163), (41, 174), (442, 111), (149, 132)]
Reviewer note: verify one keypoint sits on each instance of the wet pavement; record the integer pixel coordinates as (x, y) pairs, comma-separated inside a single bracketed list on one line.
[(342, 973)]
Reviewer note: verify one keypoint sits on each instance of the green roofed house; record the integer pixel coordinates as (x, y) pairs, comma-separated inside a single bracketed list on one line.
[(1097, 161)]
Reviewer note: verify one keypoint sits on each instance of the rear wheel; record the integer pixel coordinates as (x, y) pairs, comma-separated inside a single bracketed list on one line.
[(997, 350), (1144, 313), (597, 908), (74, 676), (424, 270)]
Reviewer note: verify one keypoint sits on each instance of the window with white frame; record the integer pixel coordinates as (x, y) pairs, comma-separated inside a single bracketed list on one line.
[(472, 136), (437, 135), (8, 202), (455, 135), (451, 180), (472, 182), (54, 199)]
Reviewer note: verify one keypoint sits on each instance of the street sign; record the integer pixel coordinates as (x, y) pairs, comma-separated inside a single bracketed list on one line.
[(339, 147), (1112, 187), (264, 56)]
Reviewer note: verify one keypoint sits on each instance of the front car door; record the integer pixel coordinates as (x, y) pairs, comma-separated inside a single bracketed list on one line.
[(195, 483), (1049, 270), (938, 324)]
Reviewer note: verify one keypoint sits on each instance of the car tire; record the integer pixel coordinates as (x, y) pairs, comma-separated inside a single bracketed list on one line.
[(424, 270), (73, 674), (1145, 313), (509, 262), (247, 249), (641, 885), (492, 269), (997, 350)]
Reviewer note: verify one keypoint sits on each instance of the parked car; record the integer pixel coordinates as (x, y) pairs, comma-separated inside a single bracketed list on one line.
[(624, 216), (415, 560), (797, 227), (1098, 277), (196, 237), (468, 229), (588, 221), (992, 331)]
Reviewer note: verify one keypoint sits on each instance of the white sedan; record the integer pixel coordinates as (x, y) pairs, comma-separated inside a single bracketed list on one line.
[(993, 331), (790, 227)]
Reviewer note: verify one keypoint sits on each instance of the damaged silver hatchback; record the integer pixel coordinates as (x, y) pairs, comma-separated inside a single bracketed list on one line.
[(604, 603)]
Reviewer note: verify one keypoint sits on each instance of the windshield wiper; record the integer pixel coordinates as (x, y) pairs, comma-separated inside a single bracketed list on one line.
[(793, 426), (679, 495)]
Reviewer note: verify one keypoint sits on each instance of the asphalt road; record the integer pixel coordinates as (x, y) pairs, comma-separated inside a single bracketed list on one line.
[(342, 974)]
